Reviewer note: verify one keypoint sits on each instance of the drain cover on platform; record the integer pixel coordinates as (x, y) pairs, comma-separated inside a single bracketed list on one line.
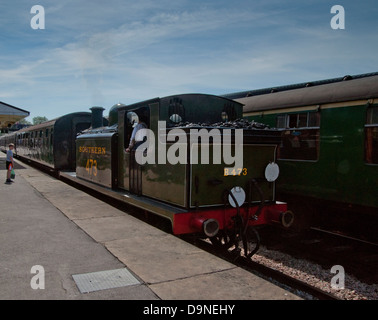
[(102, 280)]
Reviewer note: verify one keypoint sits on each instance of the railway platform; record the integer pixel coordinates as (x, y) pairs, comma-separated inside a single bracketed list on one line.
[(59, 243)]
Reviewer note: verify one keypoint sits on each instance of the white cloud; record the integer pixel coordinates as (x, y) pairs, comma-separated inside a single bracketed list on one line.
[(100, 53)]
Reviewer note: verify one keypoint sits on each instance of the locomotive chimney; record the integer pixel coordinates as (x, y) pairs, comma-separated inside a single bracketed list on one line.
[(97, 121)]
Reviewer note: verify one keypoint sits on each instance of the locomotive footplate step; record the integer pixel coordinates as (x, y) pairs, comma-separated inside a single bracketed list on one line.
[(142, 202), (70, 237)]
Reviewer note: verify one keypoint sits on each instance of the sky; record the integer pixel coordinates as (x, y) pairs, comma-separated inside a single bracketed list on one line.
[(99, 53)]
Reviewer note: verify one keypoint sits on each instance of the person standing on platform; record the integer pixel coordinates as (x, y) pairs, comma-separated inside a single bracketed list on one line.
[(9, 162)]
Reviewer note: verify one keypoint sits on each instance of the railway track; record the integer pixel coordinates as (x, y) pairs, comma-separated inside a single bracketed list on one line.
[(338, 234), (299, 287), (312, 255), (358, 257), (304, 263)]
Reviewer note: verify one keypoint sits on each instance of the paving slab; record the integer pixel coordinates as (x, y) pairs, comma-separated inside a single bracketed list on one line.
[(232, 284), (168, 262)]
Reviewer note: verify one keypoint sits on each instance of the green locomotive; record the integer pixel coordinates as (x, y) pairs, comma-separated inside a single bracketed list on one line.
[(329, 151), (222, 197)]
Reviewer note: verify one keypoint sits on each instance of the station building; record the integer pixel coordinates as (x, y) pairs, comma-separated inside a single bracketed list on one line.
[(9, 115)]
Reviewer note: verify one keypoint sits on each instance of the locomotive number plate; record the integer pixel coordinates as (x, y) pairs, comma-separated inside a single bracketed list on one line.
[(235, 172)]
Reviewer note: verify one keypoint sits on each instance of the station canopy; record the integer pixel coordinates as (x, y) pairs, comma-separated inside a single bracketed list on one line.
[(9, 115)]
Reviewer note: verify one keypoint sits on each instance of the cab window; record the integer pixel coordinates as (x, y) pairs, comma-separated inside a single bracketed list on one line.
[(133, 118), (176, 111)]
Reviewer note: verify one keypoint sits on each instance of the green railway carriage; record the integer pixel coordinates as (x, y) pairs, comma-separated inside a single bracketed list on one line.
[(329, 151), (174, 181), (52, 143)]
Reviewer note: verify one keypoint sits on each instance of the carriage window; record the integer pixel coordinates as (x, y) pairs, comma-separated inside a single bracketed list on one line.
[(293, 121), (313, 119), (302, 120), (32, 139), (300, 136), (371, 136), (281, 121)]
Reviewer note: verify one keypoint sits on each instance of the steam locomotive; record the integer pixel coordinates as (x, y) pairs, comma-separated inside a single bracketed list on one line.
[(223, 198)]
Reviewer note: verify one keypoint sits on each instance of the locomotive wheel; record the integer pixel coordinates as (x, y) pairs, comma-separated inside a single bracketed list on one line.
[(247, 244), (250, 242), (223, 240)]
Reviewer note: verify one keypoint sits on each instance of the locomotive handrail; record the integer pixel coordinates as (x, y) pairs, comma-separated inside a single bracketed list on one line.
[(241, 225), (262, 198)]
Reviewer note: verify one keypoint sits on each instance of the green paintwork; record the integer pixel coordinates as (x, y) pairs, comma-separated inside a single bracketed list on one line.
[(175, 183), (166, 182), (94, 158), (52, 143), (37, 144), (340, 174), (209, 182), (200, 108)]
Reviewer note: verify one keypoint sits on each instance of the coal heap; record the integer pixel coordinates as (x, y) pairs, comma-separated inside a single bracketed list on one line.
[(236, 124)]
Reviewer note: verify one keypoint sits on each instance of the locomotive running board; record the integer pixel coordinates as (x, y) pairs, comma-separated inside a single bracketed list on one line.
[(141, 202)]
